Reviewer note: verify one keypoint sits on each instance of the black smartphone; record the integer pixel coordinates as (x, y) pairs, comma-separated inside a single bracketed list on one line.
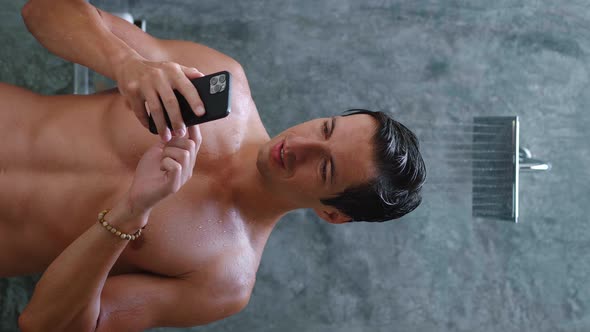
[(214, 92)]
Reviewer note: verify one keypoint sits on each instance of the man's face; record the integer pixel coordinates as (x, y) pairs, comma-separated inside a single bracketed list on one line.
[(321, 158)]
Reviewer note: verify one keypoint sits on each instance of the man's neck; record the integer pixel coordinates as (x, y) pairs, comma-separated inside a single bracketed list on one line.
[(256, 202)]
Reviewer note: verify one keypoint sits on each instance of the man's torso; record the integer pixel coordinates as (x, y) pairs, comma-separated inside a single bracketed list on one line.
[(65, 158)]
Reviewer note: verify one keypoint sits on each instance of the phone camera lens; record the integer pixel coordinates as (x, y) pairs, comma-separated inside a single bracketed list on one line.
[(216, 88), (221, 78), (214, 80)]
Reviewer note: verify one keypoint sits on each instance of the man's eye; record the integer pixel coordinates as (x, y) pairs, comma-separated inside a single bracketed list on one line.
[(326, 129)]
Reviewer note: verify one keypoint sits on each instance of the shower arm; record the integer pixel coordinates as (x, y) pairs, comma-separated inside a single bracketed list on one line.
[(529, 164)]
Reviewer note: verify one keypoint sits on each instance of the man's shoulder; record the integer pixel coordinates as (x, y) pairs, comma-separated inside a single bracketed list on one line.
[(202, 57)]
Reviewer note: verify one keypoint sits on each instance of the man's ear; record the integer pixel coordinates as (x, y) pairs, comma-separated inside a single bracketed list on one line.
[(332, 215)]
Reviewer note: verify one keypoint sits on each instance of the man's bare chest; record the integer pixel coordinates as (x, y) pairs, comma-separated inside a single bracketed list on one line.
[(193, 230), (77, 155)]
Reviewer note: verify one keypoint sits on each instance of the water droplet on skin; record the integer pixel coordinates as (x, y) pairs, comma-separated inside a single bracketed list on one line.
[(200, 227)]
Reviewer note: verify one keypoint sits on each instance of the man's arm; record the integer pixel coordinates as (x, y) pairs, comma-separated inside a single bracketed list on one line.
[(75, 294), (145, 68), (79, 32), (135, 302), (74, 30)]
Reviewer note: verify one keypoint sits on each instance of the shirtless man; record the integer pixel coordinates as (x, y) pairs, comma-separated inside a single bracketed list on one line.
[(209, 197)]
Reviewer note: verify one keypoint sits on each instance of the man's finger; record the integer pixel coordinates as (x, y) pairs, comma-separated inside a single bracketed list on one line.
[(174, 172), (153, 102), (194, 133), (140, 111), (191, 72), (172, 108), (188, 90), (181, 156)]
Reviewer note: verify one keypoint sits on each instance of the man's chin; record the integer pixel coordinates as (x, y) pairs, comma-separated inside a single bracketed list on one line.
[(263, 167)]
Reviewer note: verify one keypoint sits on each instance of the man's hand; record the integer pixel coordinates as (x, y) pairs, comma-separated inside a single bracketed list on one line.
[(162, 171), (143, 82)]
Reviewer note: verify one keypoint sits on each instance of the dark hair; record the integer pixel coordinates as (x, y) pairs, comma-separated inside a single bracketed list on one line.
[(401, 173)]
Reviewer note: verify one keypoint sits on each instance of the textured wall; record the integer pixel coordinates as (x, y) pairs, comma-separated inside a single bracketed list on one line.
[(429, 63)]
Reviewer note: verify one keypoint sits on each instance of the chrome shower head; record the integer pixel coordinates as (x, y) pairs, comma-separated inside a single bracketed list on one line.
[(495, 168)]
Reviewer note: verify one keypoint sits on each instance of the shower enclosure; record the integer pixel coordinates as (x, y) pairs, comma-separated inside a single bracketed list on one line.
[(441, 68)]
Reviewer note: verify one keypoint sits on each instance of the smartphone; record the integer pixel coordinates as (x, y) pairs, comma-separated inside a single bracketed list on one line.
[(214, 92)]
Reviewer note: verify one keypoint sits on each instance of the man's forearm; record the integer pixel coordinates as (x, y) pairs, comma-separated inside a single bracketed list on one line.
[(74, 30), (67, 297)]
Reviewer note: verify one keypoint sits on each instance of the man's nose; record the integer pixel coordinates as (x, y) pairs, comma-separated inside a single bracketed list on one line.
[(303, 149)]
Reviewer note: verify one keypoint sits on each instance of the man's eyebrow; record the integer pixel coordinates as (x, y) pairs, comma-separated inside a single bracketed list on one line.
[(332, 167)]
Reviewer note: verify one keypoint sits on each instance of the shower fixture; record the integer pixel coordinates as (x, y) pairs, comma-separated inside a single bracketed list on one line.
[(497, 160)]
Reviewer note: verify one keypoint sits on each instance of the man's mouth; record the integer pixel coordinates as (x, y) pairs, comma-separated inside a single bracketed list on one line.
[(279, 154)]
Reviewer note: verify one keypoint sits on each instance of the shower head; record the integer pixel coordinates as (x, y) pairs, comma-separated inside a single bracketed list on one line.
[(495, 167)]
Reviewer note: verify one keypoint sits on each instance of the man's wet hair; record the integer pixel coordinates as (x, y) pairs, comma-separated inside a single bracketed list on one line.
[(401, 173)]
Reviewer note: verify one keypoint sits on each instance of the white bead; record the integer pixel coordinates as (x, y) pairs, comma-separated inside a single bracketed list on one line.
[(118, 233), (113, 230), (123, 236), (105, 224)]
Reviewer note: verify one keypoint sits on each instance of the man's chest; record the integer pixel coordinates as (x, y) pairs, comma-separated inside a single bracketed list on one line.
[(196, 229), (69, 168), (220, 138)]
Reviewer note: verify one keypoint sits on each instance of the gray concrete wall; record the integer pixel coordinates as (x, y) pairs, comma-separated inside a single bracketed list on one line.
[(429, 63)]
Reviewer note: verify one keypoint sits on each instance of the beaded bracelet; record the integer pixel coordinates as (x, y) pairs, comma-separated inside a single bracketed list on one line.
[(113, 230)]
